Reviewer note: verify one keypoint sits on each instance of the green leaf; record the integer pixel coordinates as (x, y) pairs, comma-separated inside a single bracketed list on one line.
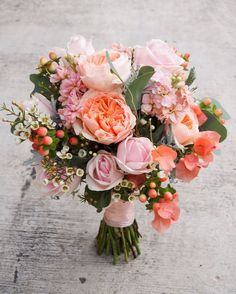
[(43, 86), (218, 105), (136, 87), (98, 199), (157, 134), (212, 124), (191, 77)]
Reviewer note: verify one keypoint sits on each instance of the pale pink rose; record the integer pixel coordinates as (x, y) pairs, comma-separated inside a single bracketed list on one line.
[(160, 56), (95, 70), (134, 155), (104, 117), (186, 128), (79, 45), (166, 213), (51, 189), (43, 104), (187, 168), (102, 172)]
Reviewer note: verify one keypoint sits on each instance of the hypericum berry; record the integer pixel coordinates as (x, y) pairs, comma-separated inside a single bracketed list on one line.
[(186, 55), (73, 141), (47, 140), (43, 61), (35, 146), (185, 65), (152, 185), (207, 101), (218, 112), (36, 140), (52, 67), (52, 55), (42, 151), (152, 193), (222, 121), (42, 131), (60, 134), (168, 196), (142, 198)]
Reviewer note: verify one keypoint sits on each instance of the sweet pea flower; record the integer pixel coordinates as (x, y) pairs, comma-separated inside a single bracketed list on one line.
[(160, 56), (134, 155), (166, 213), (164, 156), (204, 145), (187, 168), (102, 172), (104, 117), (185, 129), (95, 70), (202, 118)]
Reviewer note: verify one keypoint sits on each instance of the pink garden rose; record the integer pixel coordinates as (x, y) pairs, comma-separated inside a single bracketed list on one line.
[(104, 118), (102, 172), (187, 168), (134, 155), (166, 213), (95, 70), (186, 128), (160, 56)]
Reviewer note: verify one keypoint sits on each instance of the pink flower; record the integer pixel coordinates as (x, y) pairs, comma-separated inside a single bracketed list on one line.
[(187, 168), (104, 117), (52, 189), (72, 85), (96, 74), (165, 157), (134, 155), (186, 128), (79, 45), (165, 214), (159, 55), (102, 172), (62, 72)]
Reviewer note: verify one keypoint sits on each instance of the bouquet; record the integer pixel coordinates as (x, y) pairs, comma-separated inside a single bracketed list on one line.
[(117, 125)]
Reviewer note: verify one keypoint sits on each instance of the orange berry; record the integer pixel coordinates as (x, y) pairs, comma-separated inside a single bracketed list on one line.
[(60, 134), (152, 193), (207, 101), (168, 196), (42, 131), (185, 65), (152, 185), (73, 141), (42, 151), (218, 112), (187, 55), (47, 140), (222, 121), (52, 55), (142, 198), (35, 146)]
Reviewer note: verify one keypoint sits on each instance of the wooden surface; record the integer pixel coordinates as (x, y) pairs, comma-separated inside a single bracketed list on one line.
[(47, 246)]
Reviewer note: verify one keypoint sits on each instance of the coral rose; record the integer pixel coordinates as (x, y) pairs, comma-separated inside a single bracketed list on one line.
[(165, 214), (186, 128), (165, 157), (134, 155), (102, 172), (96, 74), (104, 118), (187, 168)]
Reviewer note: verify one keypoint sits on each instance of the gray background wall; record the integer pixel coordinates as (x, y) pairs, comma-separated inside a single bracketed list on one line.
[(47, 246)]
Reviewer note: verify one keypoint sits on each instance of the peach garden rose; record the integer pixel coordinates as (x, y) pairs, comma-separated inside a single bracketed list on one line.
[(104, 117)]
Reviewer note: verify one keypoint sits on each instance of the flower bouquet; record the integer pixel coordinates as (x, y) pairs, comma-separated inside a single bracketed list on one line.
[(114, 126)]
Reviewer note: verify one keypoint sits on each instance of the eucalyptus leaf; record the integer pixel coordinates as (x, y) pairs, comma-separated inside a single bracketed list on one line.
[(136, 87), (212, 124), (191, 77)]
